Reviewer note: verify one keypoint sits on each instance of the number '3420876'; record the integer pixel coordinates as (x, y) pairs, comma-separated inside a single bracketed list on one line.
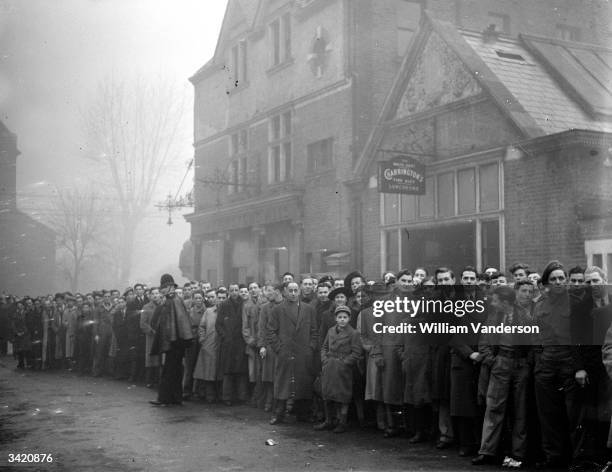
[(30, 458)]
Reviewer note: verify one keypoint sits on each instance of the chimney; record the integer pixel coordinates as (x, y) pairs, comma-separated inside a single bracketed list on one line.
[(489, 35)]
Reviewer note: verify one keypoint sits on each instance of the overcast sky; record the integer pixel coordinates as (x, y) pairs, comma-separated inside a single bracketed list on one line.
[(53, 53)]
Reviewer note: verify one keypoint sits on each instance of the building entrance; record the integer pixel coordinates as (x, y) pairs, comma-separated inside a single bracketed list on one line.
[(452, 246)]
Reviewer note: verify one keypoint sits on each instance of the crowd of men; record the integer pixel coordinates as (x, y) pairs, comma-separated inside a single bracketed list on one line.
[(314, 349)]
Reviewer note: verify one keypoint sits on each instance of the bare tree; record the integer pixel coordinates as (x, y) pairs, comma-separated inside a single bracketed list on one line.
[(135, 130), (78, 221)]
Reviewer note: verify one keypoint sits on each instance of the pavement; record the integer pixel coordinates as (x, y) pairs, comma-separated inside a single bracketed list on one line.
[(100, 424)]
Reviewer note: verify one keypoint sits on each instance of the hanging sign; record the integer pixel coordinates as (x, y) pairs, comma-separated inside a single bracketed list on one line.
[(401, 174)]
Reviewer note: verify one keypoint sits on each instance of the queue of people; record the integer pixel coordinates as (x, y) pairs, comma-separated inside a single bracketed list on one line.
[(317, 349)]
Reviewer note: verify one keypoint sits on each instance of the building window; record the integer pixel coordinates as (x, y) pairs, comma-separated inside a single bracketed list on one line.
[(280, 161), (446, 194), (390, 208), (489, 187), (490, 244), (599, 253), (280, 40), (426, 202), (568, 33), (238, 61), (408, 16), (501, 22), (319, 155), (426, 230), (239, 148), (408, 207), (466, 191)]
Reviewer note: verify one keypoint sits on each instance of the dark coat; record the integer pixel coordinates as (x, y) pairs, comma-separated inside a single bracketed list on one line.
[(464, 371), (232, 348), (132, 325), (120, 328), (22, 341), (103, 318), (171, 324), (268, 364), (340, 352), (292, 334)]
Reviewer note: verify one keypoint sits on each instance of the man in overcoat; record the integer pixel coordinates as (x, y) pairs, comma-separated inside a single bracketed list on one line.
[(151, 361), (233, 362), (250, 319), (293, 336), (172, 336), (274, 295)]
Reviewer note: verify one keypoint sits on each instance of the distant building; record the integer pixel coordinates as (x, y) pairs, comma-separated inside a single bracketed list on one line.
[(288, 125), (27, 247)]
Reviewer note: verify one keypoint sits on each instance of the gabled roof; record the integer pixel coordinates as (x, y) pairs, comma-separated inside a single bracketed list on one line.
[(239, 14), (522, 83)]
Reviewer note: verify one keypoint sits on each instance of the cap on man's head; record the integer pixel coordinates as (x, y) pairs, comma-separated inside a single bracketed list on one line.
[(342, 309), (550, 267)]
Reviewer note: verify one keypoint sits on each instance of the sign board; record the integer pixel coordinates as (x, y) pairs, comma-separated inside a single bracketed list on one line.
[(401, 174)]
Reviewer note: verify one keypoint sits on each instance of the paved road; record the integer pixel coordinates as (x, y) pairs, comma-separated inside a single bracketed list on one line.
[(100, 424)]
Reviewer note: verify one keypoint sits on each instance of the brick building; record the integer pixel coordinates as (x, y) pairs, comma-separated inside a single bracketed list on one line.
[(27, 247), (284, 110), (515, 137)]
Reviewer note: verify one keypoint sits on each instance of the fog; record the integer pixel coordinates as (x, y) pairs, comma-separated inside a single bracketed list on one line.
[(53, 57)]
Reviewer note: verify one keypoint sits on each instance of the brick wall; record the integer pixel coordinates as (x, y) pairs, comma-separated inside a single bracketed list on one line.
[(541, 196)]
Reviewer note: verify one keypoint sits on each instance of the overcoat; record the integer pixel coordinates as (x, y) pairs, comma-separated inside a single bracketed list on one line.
[(132, 323), (48, 339), (292, 334), (120, 333), (232, 348), (606, 351), (464, 371), (269, 362), (250, 320), (146, 317), (70, 321), (21, 336), (391, 345), (84, 337), (373, 353), (340, 352), (172, 324), (59, 328), (206, 365)]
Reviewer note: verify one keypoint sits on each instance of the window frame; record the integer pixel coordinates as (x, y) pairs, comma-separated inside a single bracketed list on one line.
[(239, 158), (398, 223), (238, 61), (280, 41), (314, 153), (280, 147)]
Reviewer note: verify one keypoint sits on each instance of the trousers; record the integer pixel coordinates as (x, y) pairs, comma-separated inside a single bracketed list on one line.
[(171, 382), (509, 379)]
